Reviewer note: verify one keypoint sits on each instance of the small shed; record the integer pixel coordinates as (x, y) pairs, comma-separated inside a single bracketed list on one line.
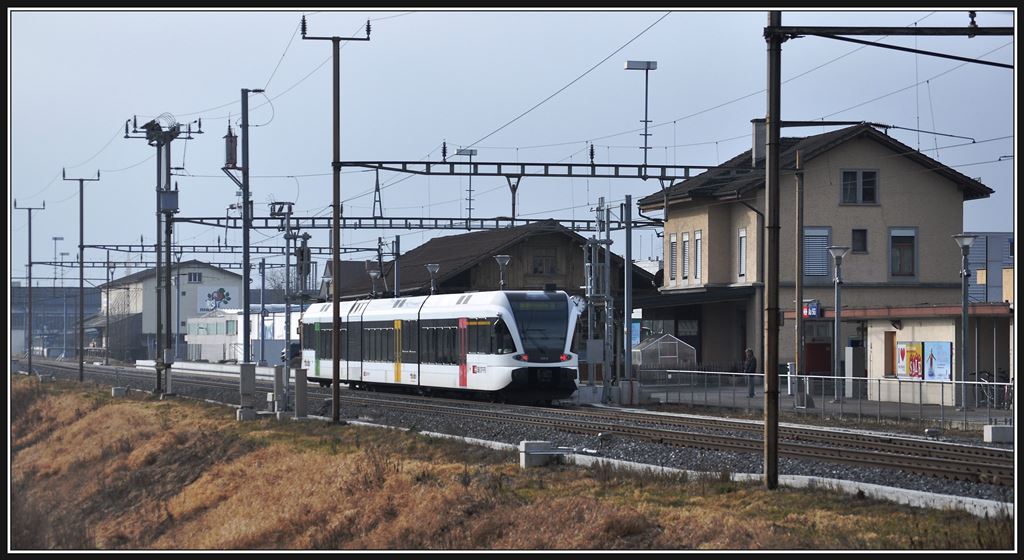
[(664, 352)]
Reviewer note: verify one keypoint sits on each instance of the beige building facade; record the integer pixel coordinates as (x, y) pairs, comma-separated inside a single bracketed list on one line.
[(895, 208)]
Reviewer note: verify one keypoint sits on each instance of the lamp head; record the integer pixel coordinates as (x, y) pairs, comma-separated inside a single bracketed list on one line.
[(641, 65), (838, 252), (964, 240)]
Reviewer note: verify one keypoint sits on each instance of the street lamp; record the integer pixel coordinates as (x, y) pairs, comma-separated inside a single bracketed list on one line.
[(502, 263), (646, 66), (432, 269), (964, 240), (837, 254), (56, 238), (374, 274), (468, 152)]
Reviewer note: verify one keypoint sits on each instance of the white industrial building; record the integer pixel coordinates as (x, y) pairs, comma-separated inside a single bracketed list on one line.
[(217, 336)]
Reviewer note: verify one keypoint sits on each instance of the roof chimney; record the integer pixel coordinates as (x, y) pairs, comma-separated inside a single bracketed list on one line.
[(757, 142)]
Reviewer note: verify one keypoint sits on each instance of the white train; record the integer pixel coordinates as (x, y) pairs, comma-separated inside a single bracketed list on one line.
[(514, 345)]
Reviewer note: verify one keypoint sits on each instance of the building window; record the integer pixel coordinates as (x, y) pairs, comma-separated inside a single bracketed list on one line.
[(981, 276), (860, 241), (545, 264), (672, 256), (860, 187), (742, 252), (686, 255), (816, 255), (696, 255), (902, 249), (195, 277)]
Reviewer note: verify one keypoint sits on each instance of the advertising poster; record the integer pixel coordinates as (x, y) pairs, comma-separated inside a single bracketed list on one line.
[(909, 360), (915, 361), (901, 359), (937, 364)]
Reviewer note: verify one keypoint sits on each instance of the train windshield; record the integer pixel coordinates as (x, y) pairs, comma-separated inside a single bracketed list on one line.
[(543, 321)]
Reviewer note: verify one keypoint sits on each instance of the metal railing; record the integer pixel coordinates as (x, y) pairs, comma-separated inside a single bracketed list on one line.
[(879, 399)]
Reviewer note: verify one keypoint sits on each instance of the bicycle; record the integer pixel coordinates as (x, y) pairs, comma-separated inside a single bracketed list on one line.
[(987, 390)]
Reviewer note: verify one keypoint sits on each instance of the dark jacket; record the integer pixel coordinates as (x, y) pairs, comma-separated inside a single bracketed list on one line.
[(750, 366)]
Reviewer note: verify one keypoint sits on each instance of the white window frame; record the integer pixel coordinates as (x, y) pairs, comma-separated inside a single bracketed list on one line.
[(820, 261), (686, 256), (697, 264), (741, 251), (672, 257)]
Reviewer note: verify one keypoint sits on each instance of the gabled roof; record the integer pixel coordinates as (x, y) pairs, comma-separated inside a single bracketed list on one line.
[(144, 274), (457, 253), (737, 177)]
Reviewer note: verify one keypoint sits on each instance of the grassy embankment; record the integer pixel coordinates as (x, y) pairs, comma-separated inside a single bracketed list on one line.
[(92, 472)]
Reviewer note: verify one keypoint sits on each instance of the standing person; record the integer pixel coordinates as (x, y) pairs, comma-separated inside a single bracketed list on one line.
[(750, 367)]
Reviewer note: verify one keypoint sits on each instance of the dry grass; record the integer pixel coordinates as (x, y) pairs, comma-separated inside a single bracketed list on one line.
[(91, 472)]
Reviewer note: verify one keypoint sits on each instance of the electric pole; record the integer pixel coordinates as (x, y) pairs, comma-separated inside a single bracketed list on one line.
[(160, 137), (336, 229), (28, 315), (246, 216), (81, 270)]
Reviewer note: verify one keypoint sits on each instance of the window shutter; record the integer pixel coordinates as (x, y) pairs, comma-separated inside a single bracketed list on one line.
[(816, 254)]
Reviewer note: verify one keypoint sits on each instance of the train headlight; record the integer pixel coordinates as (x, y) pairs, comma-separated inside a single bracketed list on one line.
[(564, 358), (522, 357)]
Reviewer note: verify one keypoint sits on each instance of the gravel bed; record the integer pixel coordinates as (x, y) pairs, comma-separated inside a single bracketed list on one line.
[(610, 446)]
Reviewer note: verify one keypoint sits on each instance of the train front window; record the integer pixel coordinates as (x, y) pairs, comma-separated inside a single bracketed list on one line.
[(542, 321), (503, 343)]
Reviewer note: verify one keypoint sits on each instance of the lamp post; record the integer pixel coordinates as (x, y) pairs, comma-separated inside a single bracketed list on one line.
[(502, 263), (468, 152), (964, 241), (432, 269), (646, 66), (837, 254), (56, 238)]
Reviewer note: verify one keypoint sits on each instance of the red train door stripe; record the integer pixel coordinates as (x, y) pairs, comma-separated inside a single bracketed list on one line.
[(462, 352)]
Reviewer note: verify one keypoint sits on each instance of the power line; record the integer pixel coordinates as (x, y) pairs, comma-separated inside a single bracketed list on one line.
[(578, 78)]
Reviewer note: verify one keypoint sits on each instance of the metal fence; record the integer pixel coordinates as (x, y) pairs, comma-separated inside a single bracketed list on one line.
[(880, 399)]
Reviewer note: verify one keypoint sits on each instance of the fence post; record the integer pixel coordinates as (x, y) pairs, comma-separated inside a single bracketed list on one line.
[(899, 400), (878, 402), (942, 404)]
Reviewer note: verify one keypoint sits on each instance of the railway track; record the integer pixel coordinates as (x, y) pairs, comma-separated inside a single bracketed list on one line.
[(952, 461)]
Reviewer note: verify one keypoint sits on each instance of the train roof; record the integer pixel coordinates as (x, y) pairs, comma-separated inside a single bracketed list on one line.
[(468, 304)]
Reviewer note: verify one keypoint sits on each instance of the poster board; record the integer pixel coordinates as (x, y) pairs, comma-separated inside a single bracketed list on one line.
[(937, 362), (909, 360)]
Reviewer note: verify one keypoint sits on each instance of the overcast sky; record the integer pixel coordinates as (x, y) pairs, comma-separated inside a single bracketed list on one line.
[(461, 77)]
